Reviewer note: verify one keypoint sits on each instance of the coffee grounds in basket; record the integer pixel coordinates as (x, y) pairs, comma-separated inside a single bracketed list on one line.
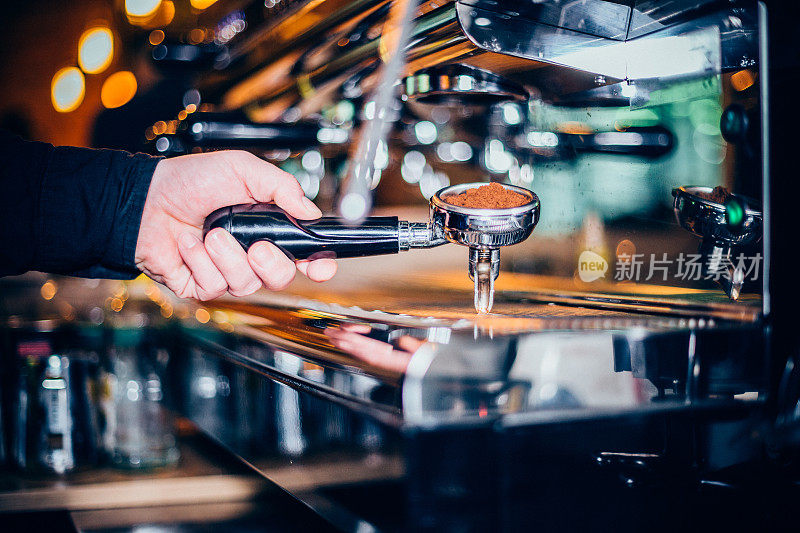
[(491, 196), (719, 194)]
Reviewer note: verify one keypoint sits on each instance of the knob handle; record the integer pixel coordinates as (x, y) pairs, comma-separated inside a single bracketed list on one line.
[(325, 237)]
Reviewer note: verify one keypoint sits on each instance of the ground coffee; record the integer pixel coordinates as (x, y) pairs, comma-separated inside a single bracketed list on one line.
[(719, 194), (491, 196)]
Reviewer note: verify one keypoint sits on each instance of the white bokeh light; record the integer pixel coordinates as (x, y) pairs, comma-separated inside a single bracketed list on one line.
[(67, 89), (95, 50), (425, 131)]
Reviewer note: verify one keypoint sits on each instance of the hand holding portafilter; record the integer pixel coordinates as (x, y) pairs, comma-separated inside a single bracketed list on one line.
[(182, 192), (484, 231)]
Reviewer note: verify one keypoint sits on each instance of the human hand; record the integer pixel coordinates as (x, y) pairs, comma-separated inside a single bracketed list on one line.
[(183, 192), (352, 339)]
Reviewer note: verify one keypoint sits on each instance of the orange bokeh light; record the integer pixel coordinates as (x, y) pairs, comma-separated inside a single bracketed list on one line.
[(118, 89)]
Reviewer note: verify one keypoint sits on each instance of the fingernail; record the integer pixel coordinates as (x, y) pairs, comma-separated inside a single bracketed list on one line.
[(188, 241), (263, 256), (221, 239), (322, 270), (311, 207)]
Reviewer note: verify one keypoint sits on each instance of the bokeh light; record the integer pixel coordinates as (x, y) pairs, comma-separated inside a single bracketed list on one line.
[(625, 250), (67, 89), (150, 14), (118, 89), (425, 132), (141, 8), (197, 35), (48, 289), (413, 166), (744, 79), (461, 151), (202, 315), (156, 37), (202, 4), (166, 14), (95, 50)]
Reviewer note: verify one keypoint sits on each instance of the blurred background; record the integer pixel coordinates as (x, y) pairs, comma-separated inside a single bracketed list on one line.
[(63, 66), (125, 74)]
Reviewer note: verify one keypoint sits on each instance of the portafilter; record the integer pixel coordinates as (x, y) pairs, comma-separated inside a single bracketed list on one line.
[(724, 228), (483, 231)]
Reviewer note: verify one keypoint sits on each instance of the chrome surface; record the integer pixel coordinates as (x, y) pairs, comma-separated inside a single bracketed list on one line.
[(445, 370), (484, 228), (708, 220), (484, 267), (611, 39), (439, 368), (317, 396), (590, 37), (460, 85), (604, 106), (484, 231), (418, 235), (318, 386)]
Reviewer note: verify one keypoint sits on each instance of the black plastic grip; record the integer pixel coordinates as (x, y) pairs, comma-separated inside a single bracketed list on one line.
[(324, 237)]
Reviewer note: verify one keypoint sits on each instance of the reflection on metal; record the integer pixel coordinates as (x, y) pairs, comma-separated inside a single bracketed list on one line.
[(550, 374), (652, 39), (209, 131), (484, 267), (398, 352), (606, 38), (484, 231), (460, 85), (365, 429)]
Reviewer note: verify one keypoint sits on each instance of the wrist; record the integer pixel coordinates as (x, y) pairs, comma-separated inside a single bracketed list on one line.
[(145, 233)]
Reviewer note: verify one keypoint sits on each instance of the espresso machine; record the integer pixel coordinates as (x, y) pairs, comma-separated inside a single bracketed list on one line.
[(632, 354)]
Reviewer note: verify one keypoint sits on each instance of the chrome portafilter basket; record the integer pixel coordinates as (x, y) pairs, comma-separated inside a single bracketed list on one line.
[(483, 231), (724, 227)]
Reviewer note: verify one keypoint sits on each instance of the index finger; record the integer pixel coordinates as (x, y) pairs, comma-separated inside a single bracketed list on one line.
[(267, 183)]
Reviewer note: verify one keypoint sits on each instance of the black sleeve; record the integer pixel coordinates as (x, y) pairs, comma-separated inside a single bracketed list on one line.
[(72, 211)]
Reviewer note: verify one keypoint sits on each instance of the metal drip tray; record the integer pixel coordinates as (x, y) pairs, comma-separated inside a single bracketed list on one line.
[(445, 363)]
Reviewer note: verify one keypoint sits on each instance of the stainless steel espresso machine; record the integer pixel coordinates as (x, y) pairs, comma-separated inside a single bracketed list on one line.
[(636, 368)]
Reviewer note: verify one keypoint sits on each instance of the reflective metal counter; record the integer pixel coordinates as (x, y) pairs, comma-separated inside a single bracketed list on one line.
[(422, 415)]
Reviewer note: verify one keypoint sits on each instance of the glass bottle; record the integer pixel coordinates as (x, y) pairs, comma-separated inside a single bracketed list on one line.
[(138, 427), (42, 429)]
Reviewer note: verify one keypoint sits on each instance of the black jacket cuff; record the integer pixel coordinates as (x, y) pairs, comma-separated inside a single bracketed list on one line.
[(90, 212), (122, 246)]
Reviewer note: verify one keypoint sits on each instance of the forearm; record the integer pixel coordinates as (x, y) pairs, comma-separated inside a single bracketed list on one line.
[(75, 211)]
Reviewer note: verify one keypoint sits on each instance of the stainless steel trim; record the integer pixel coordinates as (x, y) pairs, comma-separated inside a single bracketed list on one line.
[(763, 72), (419, 235)]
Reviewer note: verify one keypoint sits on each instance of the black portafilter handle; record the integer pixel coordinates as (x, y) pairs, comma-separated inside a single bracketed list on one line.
[(325, 237)]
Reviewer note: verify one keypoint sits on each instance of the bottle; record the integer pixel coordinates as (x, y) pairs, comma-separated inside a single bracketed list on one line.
[(139, 432), (84, 350), (56, 451), (42, 429)]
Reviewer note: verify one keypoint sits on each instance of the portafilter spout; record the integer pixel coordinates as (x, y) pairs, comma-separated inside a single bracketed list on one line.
[(484, 231)]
